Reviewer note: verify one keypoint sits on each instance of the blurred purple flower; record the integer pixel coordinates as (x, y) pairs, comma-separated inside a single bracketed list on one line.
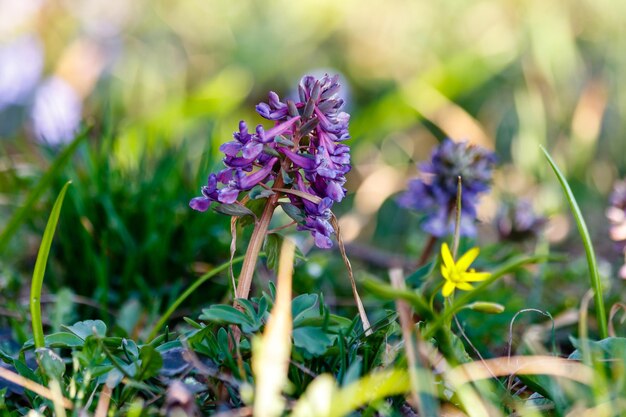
[(517, 221), (303, 150), (21, 64), (434, 195), (56, 112)]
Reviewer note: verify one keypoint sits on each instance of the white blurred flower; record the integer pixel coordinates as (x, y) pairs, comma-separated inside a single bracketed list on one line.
[(15, 13), (21, 63), (56, 112), (102, 19)]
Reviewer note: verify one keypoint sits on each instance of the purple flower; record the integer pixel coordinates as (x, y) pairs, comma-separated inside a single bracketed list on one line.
[(21, 64), (303, 150), (517, 221), (434, 194), (56, 112)]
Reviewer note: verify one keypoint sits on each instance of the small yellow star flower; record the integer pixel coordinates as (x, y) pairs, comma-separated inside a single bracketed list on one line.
[(456, 273)]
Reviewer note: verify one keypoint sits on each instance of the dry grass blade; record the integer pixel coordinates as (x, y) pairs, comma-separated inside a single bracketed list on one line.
[(406, 323), (357, 299), (521, 365), (35, 387), (103, 402), (270, 362), (233, 249), (612, 313)]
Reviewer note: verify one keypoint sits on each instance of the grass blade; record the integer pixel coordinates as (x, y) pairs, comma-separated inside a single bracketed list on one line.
[(592, 263), (21, 213), (40, 268), (192, 288)]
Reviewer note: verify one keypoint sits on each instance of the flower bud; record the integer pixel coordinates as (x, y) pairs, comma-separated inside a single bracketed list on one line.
[(486, 307)]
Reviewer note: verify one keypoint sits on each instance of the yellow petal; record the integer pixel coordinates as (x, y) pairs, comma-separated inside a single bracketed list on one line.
[(475, 276), (464, 286), (467, 259), (448, 288), (445, 272), (446, 255)]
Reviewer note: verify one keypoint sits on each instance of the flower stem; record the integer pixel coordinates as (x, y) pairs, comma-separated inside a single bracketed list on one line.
[(427, 251), (255, 245)]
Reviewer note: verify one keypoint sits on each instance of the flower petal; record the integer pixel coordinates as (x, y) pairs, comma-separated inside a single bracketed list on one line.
[(464, 286), (475, 276), (448, 288), (446, 255), (200, 203), (445, 272), (466, 260)]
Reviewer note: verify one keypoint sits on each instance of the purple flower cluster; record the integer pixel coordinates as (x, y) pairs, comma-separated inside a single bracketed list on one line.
[(302, 151), (434, 194)]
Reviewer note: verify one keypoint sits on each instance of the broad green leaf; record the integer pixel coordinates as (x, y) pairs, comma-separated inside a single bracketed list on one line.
[(611, 349), (51, 363), (151, 362), (63, 340), (313, 340), (302, 307), (226, 314), (86, 328)]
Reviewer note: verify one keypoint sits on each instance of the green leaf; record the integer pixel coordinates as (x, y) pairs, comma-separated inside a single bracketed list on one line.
[(237, 210), (302, 306), (592, 263), (193, 323), (25, 371), (418, 277), (313, 340), (63, 340), (273, 243), (53, 172), (51, 363), (354, 371), (151, 362), (248, 307), (292, 211), (286, 178), (130, 348), (611, 349), (255, 206), (385, 291), (84, 329), (260, 192), (40, 268), (226, 314)]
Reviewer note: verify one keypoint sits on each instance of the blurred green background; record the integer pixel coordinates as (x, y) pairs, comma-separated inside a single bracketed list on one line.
[(161, 84)]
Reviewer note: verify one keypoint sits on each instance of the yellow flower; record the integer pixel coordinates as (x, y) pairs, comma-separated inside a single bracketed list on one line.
[(456, 273)]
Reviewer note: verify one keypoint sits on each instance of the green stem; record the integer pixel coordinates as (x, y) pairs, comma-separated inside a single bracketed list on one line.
[(40, 268), (457, 220), (192, 288)]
